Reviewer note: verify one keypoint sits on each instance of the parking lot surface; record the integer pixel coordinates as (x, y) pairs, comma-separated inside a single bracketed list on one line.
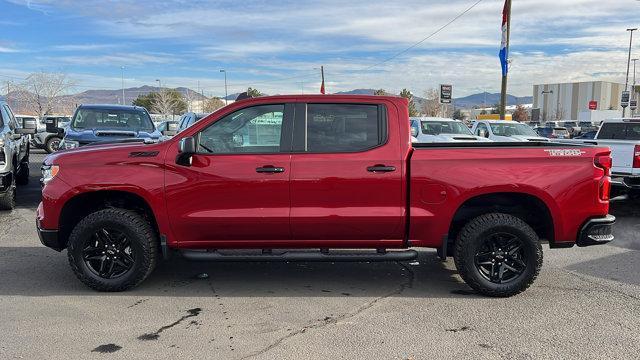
[(584, 304)]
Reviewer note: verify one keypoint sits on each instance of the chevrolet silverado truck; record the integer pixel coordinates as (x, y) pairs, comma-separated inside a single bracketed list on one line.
[(321, 178), (14, 154)]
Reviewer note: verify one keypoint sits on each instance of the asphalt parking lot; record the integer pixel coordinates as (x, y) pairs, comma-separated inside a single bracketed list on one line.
[(585, 304)]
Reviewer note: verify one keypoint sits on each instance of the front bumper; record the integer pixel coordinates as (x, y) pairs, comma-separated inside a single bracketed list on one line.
[(596, 231), (49, 238)]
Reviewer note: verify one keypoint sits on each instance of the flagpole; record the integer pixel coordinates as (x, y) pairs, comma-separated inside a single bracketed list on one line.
[(322, 90), (503, 92)]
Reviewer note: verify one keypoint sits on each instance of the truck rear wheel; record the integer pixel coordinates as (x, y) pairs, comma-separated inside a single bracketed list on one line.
[(8, 199), (112, 250), (498, 255)]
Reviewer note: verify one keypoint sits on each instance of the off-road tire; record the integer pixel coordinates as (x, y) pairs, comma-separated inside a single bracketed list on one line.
[(471, 238), (22, 175), (50, 144), (142, 236), (8, 199)]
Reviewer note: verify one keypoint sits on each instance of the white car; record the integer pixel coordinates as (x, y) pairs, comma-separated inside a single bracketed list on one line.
[(439, 130), (505, 131)]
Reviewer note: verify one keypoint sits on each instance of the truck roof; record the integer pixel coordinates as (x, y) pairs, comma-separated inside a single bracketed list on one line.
[(432, 118), (324, 98), (620, 120), (110, 107)]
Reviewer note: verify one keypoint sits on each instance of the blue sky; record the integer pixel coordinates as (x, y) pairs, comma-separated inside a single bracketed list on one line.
[(276, 46)]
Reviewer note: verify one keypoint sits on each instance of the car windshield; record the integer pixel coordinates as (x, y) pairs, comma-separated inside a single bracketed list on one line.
[(444, 127), (112, 119), (511, 129)]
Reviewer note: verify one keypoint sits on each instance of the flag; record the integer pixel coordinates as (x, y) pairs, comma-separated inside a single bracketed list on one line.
[(504, 51)]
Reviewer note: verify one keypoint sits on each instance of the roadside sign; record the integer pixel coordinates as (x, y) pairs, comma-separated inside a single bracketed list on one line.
[(624, 102), (593, 105), (633, 104), (445, 94)]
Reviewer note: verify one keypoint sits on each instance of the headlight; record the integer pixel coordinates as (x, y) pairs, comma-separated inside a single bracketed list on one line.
[(68, 144), (49, 172)]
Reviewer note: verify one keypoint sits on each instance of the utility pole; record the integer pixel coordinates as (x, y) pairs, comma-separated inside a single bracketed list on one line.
[(226, 94), (633, 87), (123, 101), (506, 14), (626, 84)]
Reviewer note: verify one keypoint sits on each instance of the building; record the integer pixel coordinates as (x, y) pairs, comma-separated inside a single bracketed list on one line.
[(566, 101)]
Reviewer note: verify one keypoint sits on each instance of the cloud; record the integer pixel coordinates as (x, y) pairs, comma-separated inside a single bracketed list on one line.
[(84, 47), (116, 59)]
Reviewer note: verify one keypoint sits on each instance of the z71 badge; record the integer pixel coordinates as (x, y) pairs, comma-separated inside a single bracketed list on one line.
[(565, 152)]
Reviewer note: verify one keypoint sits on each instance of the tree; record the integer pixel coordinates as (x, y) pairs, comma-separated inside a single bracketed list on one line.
[(168, 102), (521, 114), (144, 100), (380, 92), (44, 93), (254, 92), (211, 105), (431, 105), (457, 115), (405, 93)]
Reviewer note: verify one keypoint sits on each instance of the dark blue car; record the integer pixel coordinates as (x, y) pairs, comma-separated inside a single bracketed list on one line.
[(106, 123)]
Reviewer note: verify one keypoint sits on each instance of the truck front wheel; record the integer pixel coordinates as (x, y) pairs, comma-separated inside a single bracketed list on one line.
[(498, 255), (112, 250)]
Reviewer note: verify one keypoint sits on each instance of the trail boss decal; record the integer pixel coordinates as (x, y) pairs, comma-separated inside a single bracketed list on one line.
[(565, 152)]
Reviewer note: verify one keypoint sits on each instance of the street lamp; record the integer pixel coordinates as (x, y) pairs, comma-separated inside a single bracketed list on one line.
[(159, 84), (633, 88), (122, 69), (626, 84), (225, 86)]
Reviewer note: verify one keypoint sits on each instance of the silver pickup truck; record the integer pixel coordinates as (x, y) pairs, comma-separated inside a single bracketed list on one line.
[(14, 154)]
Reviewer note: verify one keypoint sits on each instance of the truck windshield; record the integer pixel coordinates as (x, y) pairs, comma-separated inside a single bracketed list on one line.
[(444, 127), (502, 129), (112, 119)]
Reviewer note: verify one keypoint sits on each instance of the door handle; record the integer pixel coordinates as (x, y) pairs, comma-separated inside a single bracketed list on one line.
[(381, 168), (269, 169)]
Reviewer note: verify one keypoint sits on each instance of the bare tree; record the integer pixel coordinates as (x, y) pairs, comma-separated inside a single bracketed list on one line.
[(168, 102), (431, 105), (43, 93), (212, 104)]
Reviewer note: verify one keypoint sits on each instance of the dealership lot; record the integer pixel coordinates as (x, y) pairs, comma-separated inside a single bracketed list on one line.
[(586, 303)]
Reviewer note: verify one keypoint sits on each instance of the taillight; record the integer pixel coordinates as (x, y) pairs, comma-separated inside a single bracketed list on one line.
[(603, 161), (604, 188), (636, 157)]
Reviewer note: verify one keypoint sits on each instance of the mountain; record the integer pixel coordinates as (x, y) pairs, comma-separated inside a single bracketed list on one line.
[(114, 96), (357, 92), (486, 99)]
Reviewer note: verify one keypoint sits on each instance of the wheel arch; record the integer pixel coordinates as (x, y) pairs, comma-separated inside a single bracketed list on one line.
[(85, 203), (530, 208)]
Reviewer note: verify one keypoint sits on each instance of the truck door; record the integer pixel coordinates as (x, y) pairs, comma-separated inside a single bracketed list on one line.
[(346, 175), (236, 191)]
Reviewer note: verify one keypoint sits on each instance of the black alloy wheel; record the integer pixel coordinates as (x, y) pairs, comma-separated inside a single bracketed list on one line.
[(108, 253), (501, 258)]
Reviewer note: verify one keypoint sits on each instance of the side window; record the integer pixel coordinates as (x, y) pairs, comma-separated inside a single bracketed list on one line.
[(7, 117), (344, 127), (633, 132), (256, 129)]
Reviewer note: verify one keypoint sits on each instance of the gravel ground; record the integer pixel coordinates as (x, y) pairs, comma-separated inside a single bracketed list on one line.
[(585, 304)]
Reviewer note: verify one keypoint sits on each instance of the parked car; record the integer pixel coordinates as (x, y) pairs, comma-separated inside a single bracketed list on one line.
[(327, 172), (49, 141), (106, 123), (188, 119), (553, 132), (168, 128), (434, 129), (14, 154), (572, 127), (505, 131), (622, 136), (586, 126)]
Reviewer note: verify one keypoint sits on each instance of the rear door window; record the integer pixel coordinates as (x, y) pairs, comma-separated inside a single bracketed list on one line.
[(331, 128)]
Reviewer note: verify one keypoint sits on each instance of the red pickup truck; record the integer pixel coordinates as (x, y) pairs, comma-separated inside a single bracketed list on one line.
[(321, 178)]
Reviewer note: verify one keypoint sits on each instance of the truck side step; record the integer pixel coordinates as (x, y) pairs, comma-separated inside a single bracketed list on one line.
[(337, 255)]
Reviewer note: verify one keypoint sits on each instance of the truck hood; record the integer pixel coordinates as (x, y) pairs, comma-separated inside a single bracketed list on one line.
[(450, 138), (103, 153), (87, 136)]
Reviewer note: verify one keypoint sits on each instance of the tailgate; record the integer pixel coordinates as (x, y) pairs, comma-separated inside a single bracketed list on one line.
[(622, 152)]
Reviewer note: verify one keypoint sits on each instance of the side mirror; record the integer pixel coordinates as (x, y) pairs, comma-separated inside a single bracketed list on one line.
[(171, 130), (414, 132), (186, 149), (29, 126)]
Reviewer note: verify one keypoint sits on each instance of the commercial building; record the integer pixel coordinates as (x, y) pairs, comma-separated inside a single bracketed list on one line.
[(570, 101)]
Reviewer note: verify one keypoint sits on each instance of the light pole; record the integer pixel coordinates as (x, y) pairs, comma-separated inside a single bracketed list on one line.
[(159, 84), (633, 88), (545, 113), (122, 73), (225, 85), (626, 84)]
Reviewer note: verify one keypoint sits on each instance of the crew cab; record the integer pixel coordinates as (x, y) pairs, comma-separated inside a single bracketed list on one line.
[(435, 129), (14, 154), (321, 178), (103, 123), (505, 131)]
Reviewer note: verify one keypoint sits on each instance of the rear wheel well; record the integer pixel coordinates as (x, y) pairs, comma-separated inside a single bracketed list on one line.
[(527, 207), (78, 207)]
